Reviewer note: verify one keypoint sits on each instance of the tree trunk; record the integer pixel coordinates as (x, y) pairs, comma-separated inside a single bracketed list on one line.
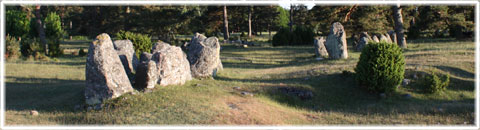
[(291, 18), (397, 17), (40, 30), (225, 23), (250, 21)]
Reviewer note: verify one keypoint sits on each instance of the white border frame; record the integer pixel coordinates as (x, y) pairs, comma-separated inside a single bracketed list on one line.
[(241, 2)]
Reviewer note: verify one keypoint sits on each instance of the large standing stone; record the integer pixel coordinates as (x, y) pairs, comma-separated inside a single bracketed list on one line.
[(204, 56), (364, 39), (126, 52), (105, 76), (320, 50), (393, 36), (337, 42), (375, 38), (384, 38), (172, 65), (146, 75)]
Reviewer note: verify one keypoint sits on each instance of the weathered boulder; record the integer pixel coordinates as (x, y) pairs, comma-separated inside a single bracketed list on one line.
[(320, 50), (393, 36), (126, 52), (363, 41), (204, 56), (385, 38), (172, 65), (146, 75), (167, 65), (375, 38), (105, 76), (336, 43)]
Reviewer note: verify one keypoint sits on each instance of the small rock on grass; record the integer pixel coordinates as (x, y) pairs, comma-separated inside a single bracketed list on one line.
[(383, 95), (247, 94), (408, 96), (34, 113), (405, 82), (236, 88)]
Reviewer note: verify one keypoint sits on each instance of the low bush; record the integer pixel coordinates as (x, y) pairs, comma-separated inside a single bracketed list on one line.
[(434, 82), (29, 46), (381, 67), (12, 47), (141, 42), (301, 35)]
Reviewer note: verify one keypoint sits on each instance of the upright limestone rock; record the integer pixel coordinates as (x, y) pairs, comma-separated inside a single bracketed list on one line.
[(364, 39), (385, 39), (126, 52), (204, 56), (320, 50), (393, 36), (172, 65), (375, 38), (146, 75), (104, 72), (337, 42)]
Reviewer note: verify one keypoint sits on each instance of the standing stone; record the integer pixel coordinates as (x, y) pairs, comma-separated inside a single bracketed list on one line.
[(384, 38), (204, 56), (126, 52), (337, 42), (364, 39), (172, 65), (388, 37), (375, 38), (393, 36), (146, 75), (320, 50), (105, 76)]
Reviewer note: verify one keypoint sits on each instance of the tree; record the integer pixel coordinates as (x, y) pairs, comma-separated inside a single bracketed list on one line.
[(225, 23), (250, 8), (17, 24), (397, 14), (39, 27)]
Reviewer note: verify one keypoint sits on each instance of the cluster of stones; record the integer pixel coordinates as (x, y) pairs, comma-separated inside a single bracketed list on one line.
[(363, 39), (335, 46), (113, 69)]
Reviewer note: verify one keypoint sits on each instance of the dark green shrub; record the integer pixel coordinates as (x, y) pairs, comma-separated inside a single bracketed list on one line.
[(29, 46), (53, 26), (54, 49), (141, 42), (17, 23), (301, 35), (434, 83), (12, 47), (282, 37), (82, 53), (381, 67)]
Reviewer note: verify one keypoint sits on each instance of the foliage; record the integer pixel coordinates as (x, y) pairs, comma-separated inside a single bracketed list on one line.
[(30, 46), (434, 83), (53, 26), (12, 47), (282, 37), (54, 49), (17, 23), (381, 67), (301, 35), (141, 42)]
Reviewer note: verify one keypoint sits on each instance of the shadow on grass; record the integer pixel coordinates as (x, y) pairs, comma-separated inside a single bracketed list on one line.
[(339, 93), (43, 94)]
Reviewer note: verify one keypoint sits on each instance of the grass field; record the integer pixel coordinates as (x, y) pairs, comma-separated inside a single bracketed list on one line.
[(54, 87)]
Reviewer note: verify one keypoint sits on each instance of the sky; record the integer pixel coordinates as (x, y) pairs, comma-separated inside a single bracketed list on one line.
[(287, 5)]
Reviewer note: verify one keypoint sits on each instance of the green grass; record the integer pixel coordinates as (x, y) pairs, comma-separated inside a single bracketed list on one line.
[(55, 87)]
